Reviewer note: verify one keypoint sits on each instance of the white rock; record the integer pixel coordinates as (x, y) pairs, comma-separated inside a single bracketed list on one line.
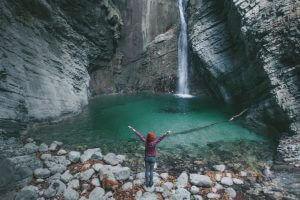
[(55, 177), (91, 154), (111, 159), (27, 193), (243, 174), (121, 158), (74, 156), (218, 177), (227, 181), (194, 190), (219, 168), (74, 184), (218, 186), (149, 189), (149, 196), (83, 198), (127, 186), (228, 175), (29, 140), (70, 194), (159, 189), (106, 170), (95, 182), (167, 186), (181, 194), (139, 182), (53, 146), (31, 147), (59, 186), (97, 194), (198, 197), (213, 196), (182, 180), (138, 195), (86, 175), (140, 175), (121, 173), (97, 167), (61, 152), (231, 192), (46, 156), (164, 176), (108, 195), (238, 181), (49, 192), (200, 180), (43, 147), (41, 173), (66, 177), (39, 180), (57, 168)]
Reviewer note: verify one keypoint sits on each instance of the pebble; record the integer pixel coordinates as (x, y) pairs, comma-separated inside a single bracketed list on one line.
[(111, 159), (86, 175), (97, 193), (180, 194), (61, 152), (74, 156), (218, 177), (91, 154), (74, 184), (97, 167), (237, 181), (95, 182), (46, 156), (219, 168), (231, 192), (127, 186), (41, 173), (164, 176), (194, 190), (213, 196), (70, 194), (200, 180), (66, 177), (198, 197), (182, 180), (227, 181), (43, 147), (243, 174)]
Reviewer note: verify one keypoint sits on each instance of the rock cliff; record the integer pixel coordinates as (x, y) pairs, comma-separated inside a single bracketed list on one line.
[(47, 51), (248, 53)]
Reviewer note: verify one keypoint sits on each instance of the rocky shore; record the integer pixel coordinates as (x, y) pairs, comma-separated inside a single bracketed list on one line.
[(52, 172)]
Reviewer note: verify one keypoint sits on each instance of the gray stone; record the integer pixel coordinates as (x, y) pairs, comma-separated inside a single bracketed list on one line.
[(164, 176), (41, 173), (31, 147), (121, 173), (121, 158), (66, 177), (43, 147), (213, 196), (243, 174), (138, 195), (197, 197), (59, 186), (95, 182), (74, 156), (149, 196), (97, 167), (200, 180), (219, 168), (97, 194), (70, 194), (181, 194), (46, 156), (53, 146), (167, 186), (86, 175), (94, 154), (194, 190), (127, 186), (74, 184), (238, 181), (231, 192), (227, 181), (49, 192), (27, 193), (111, 159), (61, 152), (182, 180)]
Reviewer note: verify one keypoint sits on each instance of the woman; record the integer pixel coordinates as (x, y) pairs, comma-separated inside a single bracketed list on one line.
[(150, 152)]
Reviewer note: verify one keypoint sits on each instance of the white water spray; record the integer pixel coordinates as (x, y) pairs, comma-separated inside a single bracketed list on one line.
[(183, 90)]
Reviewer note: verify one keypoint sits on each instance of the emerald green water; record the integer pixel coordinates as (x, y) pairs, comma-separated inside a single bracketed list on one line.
[(104, 124)]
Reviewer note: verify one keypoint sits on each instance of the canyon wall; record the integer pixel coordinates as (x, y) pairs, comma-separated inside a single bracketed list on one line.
[(248, 53), (47, 50), (146, 57)]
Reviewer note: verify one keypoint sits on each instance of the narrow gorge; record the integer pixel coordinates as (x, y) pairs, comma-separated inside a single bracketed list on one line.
[(80, 72)]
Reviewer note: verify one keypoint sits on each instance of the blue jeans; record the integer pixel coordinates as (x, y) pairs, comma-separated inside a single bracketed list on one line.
[(149, 163)]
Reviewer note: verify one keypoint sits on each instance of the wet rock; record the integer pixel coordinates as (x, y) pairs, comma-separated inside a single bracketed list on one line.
[(66, 177), (180, 194), (74, 184), (200, 180), (227, 181), (111, 159), (27, 193), (91, 154), (127, 186), (74, 156), (61, 152), (41, 173), (182, 180), (86, 175), (70, 194), (219, 168), (97, 194), (231, 192), (43, 147), (31, 147)]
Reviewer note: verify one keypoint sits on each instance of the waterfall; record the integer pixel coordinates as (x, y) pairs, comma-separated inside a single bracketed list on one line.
[(183, 90)]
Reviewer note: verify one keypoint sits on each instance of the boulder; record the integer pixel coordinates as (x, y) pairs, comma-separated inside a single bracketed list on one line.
[(194, 190), (219, 168), (70, 194), (86, 175), (149, 196), (74, 156), (95, 182), (121, 173), (181, 194), (31, 147), (27, 193), (111, 159), (66, 177), (200, 180), (97, 167), (61, 152), (59, 186), (74, 184), (41, 173), (182, 180), (237, 181), (43, 147), (46, 156), (164, 176), (91, 154), (213, 196), (231, 192), (167, 186), (97, 194), (49, 192), (227, 181), (127, 186), (198, 197)]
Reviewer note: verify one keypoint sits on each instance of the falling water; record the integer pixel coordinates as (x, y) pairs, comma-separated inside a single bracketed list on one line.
[(183, 90)]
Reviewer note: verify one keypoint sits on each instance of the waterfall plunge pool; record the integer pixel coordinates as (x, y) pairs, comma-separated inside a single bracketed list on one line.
[(103, 123)]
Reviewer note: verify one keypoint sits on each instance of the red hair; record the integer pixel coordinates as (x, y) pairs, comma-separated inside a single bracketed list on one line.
[(150, 137)]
